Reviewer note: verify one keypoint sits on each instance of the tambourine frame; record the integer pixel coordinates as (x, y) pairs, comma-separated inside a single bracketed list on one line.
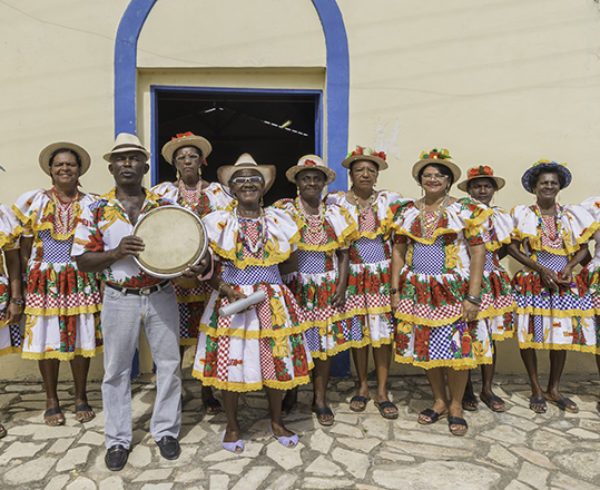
[(197, 256)]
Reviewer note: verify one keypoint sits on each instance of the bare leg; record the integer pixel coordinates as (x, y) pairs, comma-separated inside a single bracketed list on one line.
[(530, 360), (320, 380), (598, 365), (487, 375), (274, 397), (80, 367), (435, 377), (557, 364), (382, 356), (49, 370), (361, 357), (457, 380), (232, 431), (469, 401)]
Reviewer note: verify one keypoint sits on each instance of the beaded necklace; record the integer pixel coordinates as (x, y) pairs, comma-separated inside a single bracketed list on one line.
[(243, 222), (190, 196), (431, 219), (64, 216), (371, 200), (314, 230), (555, 238)]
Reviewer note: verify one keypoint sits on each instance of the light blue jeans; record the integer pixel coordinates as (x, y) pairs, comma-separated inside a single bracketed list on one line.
[(122, 316)]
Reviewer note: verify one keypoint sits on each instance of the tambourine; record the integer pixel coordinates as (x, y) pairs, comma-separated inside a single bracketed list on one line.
[(174, 238)]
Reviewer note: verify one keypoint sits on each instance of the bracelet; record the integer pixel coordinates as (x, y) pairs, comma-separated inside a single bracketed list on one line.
[(394, 291), (473, 299), (220, 288), (17, 301)]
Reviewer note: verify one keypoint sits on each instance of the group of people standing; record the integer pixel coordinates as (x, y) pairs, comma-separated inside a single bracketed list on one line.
[(418, 280)]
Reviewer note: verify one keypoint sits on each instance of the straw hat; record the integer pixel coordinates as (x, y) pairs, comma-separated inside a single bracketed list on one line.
[(368, 154), (560, 168), (483, 171), (185, 139), (441, 157), (47, 152), (310, 162), (125, 142), (245, 160)]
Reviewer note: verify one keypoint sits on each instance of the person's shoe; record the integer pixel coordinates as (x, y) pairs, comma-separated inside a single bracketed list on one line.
[(169, 447), (116, 457)]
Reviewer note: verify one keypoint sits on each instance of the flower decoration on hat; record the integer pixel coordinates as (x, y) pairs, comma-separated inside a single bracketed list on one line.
[(361, 150), (310, 163), (481, 171), (543, 161), (178, 136), (435, 154)]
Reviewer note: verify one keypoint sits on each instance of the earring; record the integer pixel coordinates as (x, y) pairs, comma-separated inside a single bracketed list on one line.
[(297, 191), (178, 175), (261, 202), (199, 172)]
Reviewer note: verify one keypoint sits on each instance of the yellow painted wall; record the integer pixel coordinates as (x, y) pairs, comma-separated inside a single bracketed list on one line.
[(504, 83)]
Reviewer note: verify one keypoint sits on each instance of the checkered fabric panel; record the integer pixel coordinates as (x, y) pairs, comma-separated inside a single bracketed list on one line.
[(370, 250), (251, 275), (555, 302), (428, 259), (553, 262), (313, 339), (439, 342), (367, 221), (489, 261), (55, 251), (223, 358), (310, 262), (267, 365), (184, 319), (356, 325), (15, 335), (538, 328)]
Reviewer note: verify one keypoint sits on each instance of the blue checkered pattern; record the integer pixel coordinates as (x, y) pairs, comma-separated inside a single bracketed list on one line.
[(553, 262), (428, 259), (55, 251), (15, 335), (251, 275), (440, 339), (310, 262), (538, 328), (356, 328), (489, 261), (370, 250)]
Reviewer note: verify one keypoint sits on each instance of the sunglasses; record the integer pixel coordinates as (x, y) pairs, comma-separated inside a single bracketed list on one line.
[(254, 179)]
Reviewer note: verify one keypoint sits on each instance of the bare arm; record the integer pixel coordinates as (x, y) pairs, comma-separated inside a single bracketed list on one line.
[(477, 254), (549, 277), (217, 283), (290, 265), (339, 298), (566, 275), (13, 266), (398, 261)]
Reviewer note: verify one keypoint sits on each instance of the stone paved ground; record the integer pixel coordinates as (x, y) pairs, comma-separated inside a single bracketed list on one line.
[(515, 450)]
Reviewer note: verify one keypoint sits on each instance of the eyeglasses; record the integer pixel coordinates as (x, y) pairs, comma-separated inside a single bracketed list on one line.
[(182, 158), (433, 176), (253, 179)]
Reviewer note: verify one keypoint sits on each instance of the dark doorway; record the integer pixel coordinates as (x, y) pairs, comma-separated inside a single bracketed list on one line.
[(275, 126)]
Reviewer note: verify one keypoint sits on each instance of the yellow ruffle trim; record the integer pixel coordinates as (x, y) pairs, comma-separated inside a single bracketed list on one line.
[(9, 241), (78, 310), (572, 347), (348, 236), (497, 244), (492, 312), (61, 356), (253, 334), (530, 310), (535, 241), (337, 317), (509, 334), (275, 255), (10, 350), (456, 364), (30, 224), (426, 321), (244, 387), (351, 344), (469, 224)]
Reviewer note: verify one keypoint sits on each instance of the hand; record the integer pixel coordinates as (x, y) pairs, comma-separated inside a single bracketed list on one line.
[(14, 313), (565, 277), (339, 298), (200, 269), (469, 310), (129, 245), (549, 278), (232, 294)]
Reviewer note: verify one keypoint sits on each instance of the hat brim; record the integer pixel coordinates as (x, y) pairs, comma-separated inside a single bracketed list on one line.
[(500, 182), (225, 172), (456, 172), (170, 147), (380, 162), (127, 149), (554, 167), (47, 152), (292, 172)]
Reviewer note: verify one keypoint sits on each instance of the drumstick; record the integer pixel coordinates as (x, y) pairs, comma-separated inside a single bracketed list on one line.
[(242, 304)]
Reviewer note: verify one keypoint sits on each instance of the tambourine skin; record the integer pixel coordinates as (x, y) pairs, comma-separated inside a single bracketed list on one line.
[(174, 238)]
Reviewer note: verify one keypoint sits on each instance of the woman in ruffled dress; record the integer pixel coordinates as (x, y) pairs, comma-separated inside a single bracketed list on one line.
[(368, 289), (262, 346), (320, 282), (437, 268), (62, 304), (481, 184), (188, 152), (11, 294), (553, 310)]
